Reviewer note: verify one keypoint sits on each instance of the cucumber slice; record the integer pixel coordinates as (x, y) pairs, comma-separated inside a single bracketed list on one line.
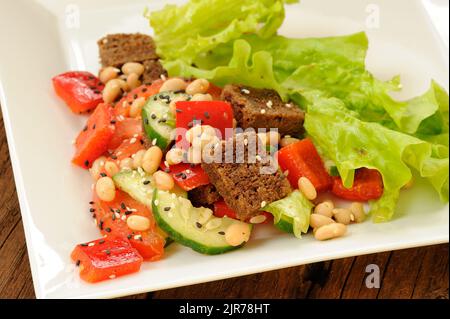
[(132, 183), (188, 225), (158, 121)]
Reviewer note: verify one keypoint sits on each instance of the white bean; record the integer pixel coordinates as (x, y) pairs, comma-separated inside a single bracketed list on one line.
[(174, 156), (137, 158), (105, 189), (343, 215), (325, 208), (133, 81), (108, 74), (111, 91), (317, 220), (111, 168), (286, 141), (357, 209), (126, 163), (201, 97), (152, 159), (174, 84), (199, 86), (163, 181), (136, 107), (138, 223), (133, 67), (237, 234), (259, 219), (330, 231), (307, 188), (97, 166)]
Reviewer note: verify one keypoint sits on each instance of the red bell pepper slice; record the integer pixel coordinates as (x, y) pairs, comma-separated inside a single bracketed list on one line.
[(111, 220), (82, 91), (221, 209), (125, 129), (367, 185), (94, 139), (302, 159), (187, 176), (217, 114), (106, 258)]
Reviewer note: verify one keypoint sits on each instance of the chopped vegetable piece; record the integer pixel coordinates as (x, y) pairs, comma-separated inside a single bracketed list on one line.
[(82, 91), (125, 129), (217, 114), (106, 258), (93, 140), (187, 176), (301, 159), (128, 148), (221, 209), (367, 185), (112, 220)]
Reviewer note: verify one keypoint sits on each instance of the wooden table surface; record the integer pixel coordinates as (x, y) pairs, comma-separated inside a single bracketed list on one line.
[(412, 273)]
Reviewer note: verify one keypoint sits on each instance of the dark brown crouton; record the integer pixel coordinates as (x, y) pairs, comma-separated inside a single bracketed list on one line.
[(262, 108), (118, 49), (242, 184), (152, 71), (204, 196)]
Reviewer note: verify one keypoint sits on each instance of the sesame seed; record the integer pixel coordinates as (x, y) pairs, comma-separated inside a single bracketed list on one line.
[(146, 182), (263, 111), (156, 202), (154, 142), (91, 244), (166, 209), (108, 230), (78, 262), (245, 91), (198, 225), (112, 276), (288, 105), (269, 104), (108, 252), (133, 140), (258, 158), (221, 233), (263, 203), (137, 237)]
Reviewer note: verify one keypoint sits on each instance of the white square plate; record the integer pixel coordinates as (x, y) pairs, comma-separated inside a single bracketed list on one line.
[(41, 38)]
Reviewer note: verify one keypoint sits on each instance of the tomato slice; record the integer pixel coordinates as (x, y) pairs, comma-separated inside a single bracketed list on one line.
[(125, 129), (215, 91), (217, 114), (82, 91), (221, 209), (106, 258), (302, 159), (128, 148), (94, 139), (367, 185), (122, 107), (112, 220), (187, 176)]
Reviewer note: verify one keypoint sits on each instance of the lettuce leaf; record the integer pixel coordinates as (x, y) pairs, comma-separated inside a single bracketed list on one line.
[(352, 143), (294, 210)]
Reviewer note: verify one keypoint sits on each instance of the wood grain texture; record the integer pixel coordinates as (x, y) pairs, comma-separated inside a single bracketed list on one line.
[(412, 273)]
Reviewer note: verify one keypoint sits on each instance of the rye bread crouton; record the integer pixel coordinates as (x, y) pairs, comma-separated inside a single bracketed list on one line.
[(242, 184), (152, 71), (263, 108), (204, 196), (118, 49)]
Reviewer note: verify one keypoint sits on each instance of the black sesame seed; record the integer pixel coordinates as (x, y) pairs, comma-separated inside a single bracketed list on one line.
[(183, 176), (92, 210), (83, 245), (111, 210), (207, 115), (118, 211), (129, 236), (97, 92), (86, 163), (198, 225), (178, 111), (128, 212), (190, 125), (100, 225), (221, 233), (162, 121), (146, 121), (123, 205), (141, 141), (108, 230), (114, 157), (144, 90), (167, 170), (166, 209), (153, 116), (108, 252), (94, 216), (113, 122), (78, 262), (102, 241), (113, 217), (85, 128), (91, 203), (103, 175), (91, 77), (146, 182), (135, 96)]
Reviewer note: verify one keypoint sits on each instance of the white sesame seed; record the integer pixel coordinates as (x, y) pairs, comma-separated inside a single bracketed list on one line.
[(124, 217), (117, 215), (173, 196), (286, 173), (245, 91), (137, 237), (288, 105), (269, 104), (156, 202), (72, 142), (170, 214), (188, 171), (263, 203), (154, 141), (136, 135), (112, 276), (124, 104), (258, 158), (263, 111), (245, 142), (91, 244), (119, 153), (163, 77), (166, 163), (133, 140)]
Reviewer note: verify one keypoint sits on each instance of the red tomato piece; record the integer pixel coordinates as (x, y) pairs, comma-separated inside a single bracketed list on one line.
[(125, 129), (123, 106), (82, 91), (128, 147), (221, 209), (217, 114), (215, 91), (94, 139), (302, 159), (367, 185), (111, 220), (106, 258), (187, 176)]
